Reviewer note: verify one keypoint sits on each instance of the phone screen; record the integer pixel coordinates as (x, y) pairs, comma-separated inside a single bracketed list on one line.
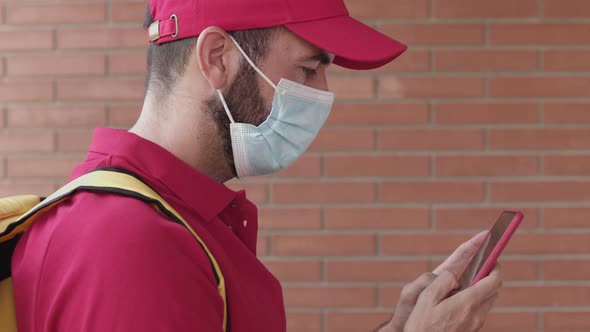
[(486, 249)]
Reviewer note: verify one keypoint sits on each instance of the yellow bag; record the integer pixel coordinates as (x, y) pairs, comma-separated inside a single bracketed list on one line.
[(17, 213)]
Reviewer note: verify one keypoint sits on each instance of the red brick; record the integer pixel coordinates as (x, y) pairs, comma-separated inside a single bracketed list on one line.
[(38, 13), (566, 8), (352, 88), (306, 166), (304, 321), (56, 116), (378, 114), (432, 139), (566, 113), (479, 218), (431, 87), (540, 191), (26, 40), (436, 33), (566, 165), (567, 60), (282, 218), (376, 166), (544, 296), (256, 192), (100, 90), (18, 91), (377, 218), (485, 113), (566, 217), (484, 9), (566, 321), (540, 87), (18, 141), (56, 64), (42, 167), (323, 245), (331, 139), (432, 192), (539, 139), (101, 38), (383, 9), (389, 295), (323, 192), (295, 270), (539, 33), (74, 140), (14, 189), (262, 246), (488, 60), (421, 243), (511, 321), (330, 296), (128, 11), (411, 61), (574, 269), (518, 270), (486, 166), (355, 321), (548, 243), (386, 270), (128, 63), (124, 116)]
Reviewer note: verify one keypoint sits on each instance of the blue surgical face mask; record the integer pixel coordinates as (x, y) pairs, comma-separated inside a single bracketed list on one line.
[(298, 113)]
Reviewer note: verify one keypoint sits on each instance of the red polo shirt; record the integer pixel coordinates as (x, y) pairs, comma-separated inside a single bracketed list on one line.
[(102, 262)]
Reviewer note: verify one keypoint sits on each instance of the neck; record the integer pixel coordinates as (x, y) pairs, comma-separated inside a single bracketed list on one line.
[(185, 129)]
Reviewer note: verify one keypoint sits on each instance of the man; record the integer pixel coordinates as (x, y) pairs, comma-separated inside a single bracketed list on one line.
[(234, 88)]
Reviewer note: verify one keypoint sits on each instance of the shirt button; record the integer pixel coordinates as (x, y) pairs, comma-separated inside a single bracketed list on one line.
[(245, 223), (231, 229), (235, 204)]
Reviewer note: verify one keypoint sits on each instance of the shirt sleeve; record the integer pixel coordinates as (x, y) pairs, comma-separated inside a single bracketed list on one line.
[(115, 264)]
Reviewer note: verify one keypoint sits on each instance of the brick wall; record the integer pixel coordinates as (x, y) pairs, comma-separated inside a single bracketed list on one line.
[(488, 110)]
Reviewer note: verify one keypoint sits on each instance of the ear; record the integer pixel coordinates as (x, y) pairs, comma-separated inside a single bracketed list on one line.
[(215, 52)]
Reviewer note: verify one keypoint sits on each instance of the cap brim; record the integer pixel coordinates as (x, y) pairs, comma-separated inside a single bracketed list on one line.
[(355, 45)]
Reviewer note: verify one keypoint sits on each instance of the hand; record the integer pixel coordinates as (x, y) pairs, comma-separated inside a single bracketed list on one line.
[(456, 263), (465, 311)]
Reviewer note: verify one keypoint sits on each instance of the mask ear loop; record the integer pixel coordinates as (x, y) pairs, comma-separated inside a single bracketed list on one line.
[(231, 118), (253, 65)]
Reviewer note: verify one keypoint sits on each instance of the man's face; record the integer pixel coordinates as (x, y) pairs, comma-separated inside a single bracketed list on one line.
[(249, 97)]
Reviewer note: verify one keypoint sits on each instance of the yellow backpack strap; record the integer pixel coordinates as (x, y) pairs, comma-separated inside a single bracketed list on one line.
[(126, 184)]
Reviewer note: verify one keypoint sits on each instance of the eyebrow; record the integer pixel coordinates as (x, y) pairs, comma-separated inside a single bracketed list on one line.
[(324, 58)]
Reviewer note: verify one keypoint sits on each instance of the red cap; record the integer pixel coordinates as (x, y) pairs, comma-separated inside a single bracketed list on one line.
[(324, 23)]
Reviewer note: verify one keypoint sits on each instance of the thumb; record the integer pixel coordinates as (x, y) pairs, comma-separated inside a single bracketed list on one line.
[(441, 287)]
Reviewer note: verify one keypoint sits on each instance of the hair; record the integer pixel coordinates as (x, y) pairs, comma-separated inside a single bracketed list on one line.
[(166, 63)]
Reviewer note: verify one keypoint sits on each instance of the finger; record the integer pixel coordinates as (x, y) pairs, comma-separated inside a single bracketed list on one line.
[(410, 292), (459, 259), (440, 288), (485, 288)]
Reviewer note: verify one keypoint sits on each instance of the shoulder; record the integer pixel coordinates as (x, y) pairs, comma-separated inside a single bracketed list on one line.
[(105, 228), (119, 257)]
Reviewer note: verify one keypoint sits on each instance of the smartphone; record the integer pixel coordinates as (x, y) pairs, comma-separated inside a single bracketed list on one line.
[(486, 256)]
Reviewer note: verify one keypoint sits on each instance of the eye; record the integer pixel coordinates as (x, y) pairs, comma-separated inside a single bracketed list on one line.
[(310, 72)]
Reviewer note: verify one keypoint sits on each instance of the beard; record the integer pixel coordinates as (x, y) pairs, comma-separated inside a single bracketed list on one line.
[(246, 105)]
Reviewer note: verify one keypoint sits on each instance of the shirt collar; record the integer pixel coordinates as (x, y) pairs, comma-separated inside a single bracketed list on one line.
[(150, 161)]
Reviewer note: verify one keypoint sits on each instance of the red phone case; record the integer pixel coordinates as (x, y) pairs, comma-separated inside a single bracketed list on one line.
[(497, 251)]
